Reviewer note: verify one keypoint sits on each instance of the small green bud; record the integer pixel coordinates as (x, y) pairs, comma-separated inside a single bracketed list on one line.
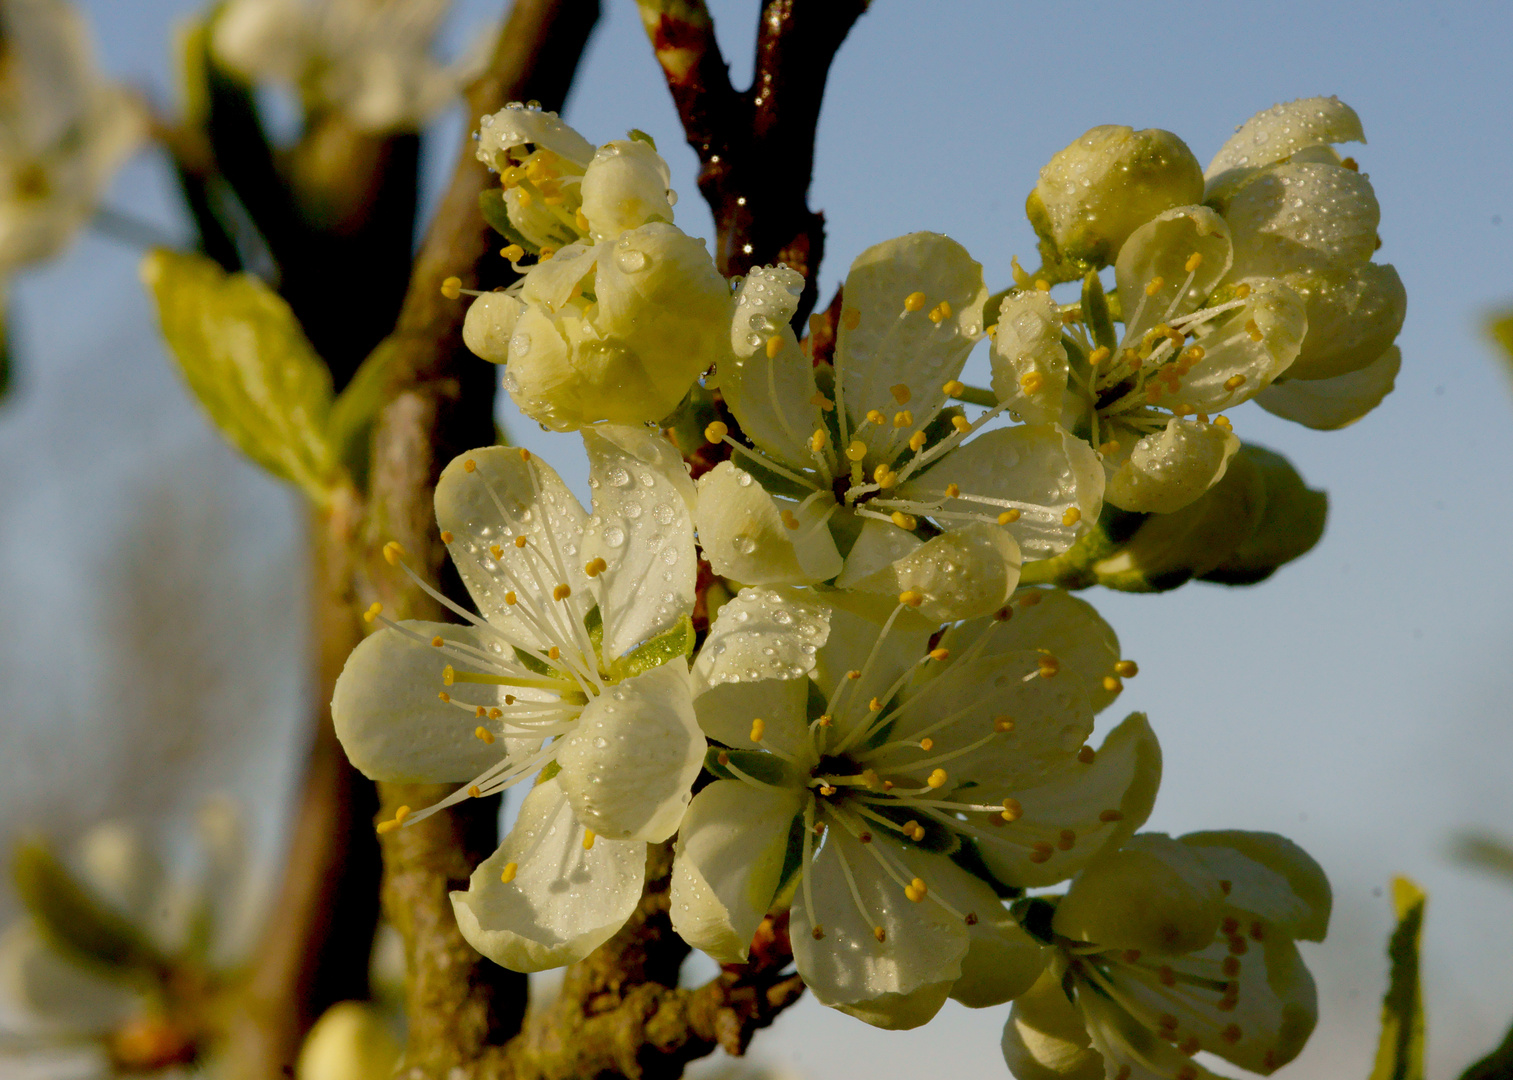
[(1100, 189), (1292, 521)]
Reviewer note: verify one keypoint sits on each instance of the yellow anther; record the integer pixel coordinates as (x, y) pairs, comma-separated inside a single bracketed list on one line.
[(1030, 599), (939, 312), (546, 253), (880, 472), (446, 537), (554, 653), (917, 441), (496, 551), (774, 346), (1042, 285), (914, 830), (509, 872), (484, 735), (1108, 817), (470, 465), (869, 778), (853, 674), (1049, 667), (474, 791), (824, 721), (521, 541), (1234, 382), (375, 609), (496, 713), (1223, 422), (926, 744), (952, 388), (444, 696), (513, 252), (1242, 291), (789, 521), (1002, 724), (875, 705), (1253, 330), (594, 567), (1155, 285), (451, 288), (1042, 853), (588, 839), (1098, 355), (915, 301), (723, 758), (875, 416), (1194, 261), (438, 641), (1193, 353), (944, 307), (716, 432), (901, 393), (939, 654), (393, 552), (879, 933), (1112, 685), (824, 403), (1067, 840), (818, 932), (757, 729), (819, 440), (1109, 447), (1012, 810), (903, 418), (1086, 755), (851, 318), (1071, 517), (961, 424), (1176, 337), (952, 491), (937, 779), (580, 219), (904, 521), (911, 598), (1031, 382), (448, 675), (525, 455), (1020, 275), (916, 890), (398, 820), (1126, 669), (511, 599)]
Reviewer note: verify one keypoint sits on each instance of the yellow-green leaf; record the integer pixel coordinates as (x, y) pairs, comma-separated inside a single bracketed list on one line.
[(247, 361), (1400, 1054)]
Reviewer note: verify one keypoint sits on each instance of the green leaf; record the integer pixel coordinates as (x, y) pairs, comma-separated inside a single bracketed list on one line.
[(78, 924), (374, 385), (1095, 313), (247, 361), (676, 643), (1400, 1053), (637, 135)]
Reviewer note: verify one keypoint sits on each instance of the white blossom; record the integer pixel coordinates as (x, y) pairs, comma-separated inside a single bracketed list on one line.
[(576, 660), (861, 760), (857, 457), (371, 60), (1165, 948), (64, 130)]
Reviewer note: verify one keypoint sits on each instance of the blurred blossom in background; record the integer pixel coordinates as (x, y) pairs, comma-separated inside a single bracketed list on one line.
[(152, 582)]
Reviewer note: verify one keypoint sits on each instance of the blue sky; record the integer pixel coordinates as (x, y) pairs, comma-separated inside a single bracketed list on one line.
[(1358, 702)]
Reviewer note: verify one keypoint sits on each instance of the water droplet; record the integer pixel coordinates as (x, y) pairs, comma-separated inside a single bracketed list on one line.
[(630, 261), (663, 513), (618, 476), (670, 555), (744, 545), (632, 511), (614, 536), (601, 742), (782, 617), (520, 342), (744, 479)]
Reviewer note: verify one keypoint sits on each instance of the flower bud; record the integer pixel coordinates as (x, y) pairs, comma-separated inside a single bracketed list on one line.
[(489, 323), (625, 187), (660, 316), (351, 1041), (961, 574), (1292, 522), (1167, 470), (1104, 186)]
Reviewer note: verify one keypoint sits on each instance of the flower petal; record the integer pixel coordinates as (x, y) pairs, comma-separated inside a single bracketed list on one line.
[(1303, 216), (1271, 877), (1245, 352), (1046, 1038), (731, 848), (1354, 315), (1330, 404), (515, 125), (563, 900), (642, 527), (1152, 273), (856, 620), (487, 498), (624, 187), (390, 719), (629, 765), (1282, 131), (489, 324), (961, 574), (1168, 469), (1153, 895), (900, 982), (771, 395), (1040, 468), (1029, 361), (745, 538), (886, 344), (1101, 803), (878, 546), (1002, 960)]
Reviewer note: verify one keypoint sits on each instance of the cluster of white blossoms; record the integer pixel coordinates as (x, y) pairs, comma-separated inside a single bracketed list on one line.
[(371, 60), (868, 724), (64, 130)]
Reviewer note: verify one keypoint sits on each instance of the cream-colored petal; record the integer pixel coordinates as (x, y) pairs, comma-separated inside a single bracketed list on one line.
[(1044, 472), (1245, 351), (744, 536), (1330, 404), (878, 546), (642, 527), (516, 126), (388, 714), (486, 499), (961, 574), (489, 325), (1002, 961), (563, 899), (1154, 895), (1303, 217), (624, 187), (886, 345), (1284, 130), (771, 393), (1271, 877), (854, 644), (1354, 315), (629, 765), (1152, 273), (731, 848), (1029, 361), (1168, 469), (899, 982), (1046, 1038), (727, 714)]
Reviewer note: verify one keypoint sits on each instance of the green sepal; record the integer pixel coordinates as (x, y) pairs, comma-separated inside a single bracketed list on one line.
[(1035, 915), (793, 863), (535, 665), (1096, 314), (1292, 522), (673, 644), (491, 203), (1400, 1052), (247, 361), (80, 925), (637, 135), (757, 764)]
